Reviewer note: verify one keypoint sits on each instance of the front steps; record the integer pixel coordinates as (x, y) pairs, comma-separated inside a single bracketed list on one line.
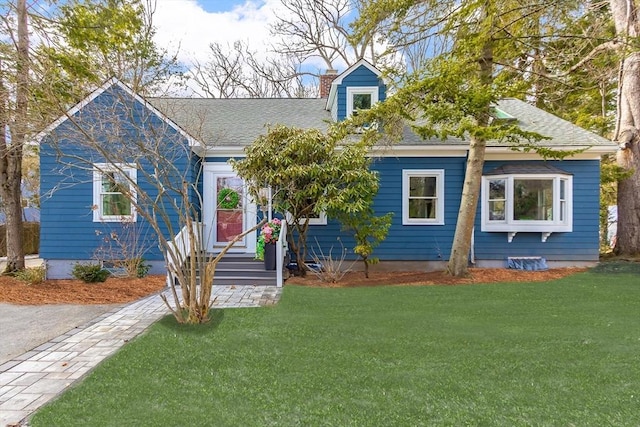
[(242, 269)]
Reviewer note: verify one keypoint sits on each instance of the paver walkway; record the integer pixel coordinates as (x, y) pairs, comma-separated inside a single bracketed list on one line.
[(34, 378)]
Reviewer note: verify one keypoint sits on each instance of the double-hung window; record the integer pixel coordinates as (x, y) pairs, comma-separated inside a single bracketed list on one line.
[(423, 197), (527, 202), (114, 192)]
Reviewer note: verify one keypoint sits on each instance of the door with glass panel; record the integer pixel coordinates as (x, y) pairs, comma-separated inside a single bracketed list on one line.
[(227, 210)]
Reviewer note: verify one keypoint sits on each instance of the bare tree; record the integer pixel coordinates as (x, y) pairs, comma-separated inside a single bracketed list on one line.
[(626, 17), (235, 71), (320, 28), (304, 31), (13, 116), (148, 165)]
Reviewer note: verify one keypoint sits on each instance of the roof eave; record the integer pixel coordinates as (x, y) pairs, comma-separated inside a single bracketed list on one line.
[(193, 143)]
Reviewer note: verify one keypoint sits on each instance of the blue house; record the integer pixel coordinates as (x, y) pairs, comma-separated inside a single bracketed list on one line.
[(528, 207)]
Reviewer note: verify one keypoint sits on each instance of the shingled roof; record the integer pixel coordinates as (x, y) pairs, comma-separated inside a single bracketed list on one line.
[(561, 133), (238, 121)]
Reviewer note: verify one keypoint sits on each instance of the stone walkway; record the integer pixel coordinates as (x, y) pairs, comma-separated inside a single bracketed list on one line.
[(34, 378)]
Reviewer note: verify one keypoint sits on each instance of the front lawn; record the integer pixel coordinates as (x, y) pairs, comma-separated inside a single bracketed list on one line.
[(559, 353)]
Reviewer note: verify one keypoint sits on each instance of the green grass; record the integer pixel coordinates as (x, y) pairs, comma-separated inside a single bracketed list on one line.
[(560, 353)]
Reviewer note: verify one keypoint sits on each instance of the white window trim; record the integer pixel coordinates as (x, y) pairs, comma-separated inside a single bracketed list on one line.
[(98, 170), (439, 175), (358, 90), (321, 220), (512, 226)]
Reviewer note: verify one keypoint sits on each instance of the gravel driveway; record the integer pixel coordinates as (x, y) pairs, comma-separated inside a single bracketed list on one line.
[(24, 327)]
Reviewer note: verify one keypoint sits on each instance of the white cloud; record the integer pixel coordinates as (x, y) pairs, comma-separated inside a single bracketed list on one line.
[(187, 26)]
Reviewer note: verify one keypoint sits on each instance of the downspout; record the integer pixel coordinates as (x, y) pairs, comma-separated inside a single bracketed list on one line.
[(472, 251)]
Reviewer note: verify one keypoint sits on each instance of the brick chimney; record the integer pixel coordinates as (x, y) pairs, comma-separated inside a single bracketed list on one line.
[(325, 82)]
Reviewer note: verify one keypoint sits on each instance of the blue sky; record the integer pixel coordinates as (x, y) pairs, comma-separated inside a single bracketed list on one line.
[(219, 5)]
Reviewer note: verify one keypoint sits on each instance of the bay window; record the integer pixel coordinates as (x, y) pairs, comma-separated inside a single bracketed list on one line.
[(515, 203)]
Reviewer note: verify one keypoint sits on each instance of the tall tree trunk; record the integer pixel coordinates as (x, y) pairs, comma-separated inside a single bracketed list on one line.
[(628, 232), (625, 16), (459, 259), (11, 161)]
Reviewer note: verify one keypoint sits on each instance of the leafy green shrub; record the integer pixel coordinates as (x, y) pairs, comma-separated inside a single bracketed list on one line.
[(32, 275), (142, 269), (90, 273)]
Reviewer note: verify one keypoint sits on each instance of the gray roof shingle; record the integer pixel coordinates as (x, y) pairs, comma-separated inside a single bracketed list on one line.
[(239, 121), (561, 133), (527, 168)]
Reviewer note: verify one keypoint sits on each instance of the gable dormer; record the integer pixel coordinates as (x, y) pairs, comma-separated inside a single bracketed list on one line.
[(358, 87)]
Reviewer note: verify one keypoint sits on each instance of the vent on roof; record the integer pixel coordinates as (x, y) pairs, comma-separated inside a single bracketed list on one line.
[(498, 116)]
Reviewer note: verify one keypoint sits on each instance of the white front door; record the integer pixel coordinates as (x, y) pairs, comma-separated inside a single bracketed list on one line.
[(227, 209)]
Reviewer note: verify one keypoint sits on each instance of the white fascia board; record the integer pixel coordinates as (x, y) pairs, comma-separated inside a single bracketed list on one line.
[(221, 151), (193, 143), (349, 70), (492, 153), (332, 96), (505, 153), (79, 106)]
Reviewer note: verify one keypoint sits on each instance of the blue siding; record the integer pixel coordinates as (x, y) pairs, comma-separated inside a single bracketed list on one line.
[(361, 76), (433, 242), (196, 191), (581, 244), (116, 121), (405, 242), (68, 231)]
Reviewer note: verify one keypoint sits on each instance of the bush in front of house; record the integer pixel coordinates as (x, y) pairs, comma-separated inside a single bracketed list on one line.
[(90, 273), (32, 275), (142, 268)]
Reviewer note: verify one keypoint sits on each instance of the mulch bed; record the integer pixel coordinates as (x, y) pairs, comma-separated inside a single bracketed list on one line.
[(112, 291), (477, 275), (123, 290)]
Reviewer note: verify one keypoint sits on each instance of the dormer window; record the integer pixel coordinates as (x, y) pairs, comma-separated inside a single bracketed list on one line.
[(361, 98)]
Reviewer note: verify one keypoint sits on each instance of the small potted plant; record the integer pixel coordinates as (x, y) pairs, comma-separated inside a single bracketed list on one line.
[(267, 240)]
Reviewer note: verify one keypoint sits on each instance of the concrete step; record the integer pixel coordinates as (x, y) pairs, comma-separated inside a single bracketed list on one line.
[(236, 265), (233, 272), (244, 280), (242, 269)]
